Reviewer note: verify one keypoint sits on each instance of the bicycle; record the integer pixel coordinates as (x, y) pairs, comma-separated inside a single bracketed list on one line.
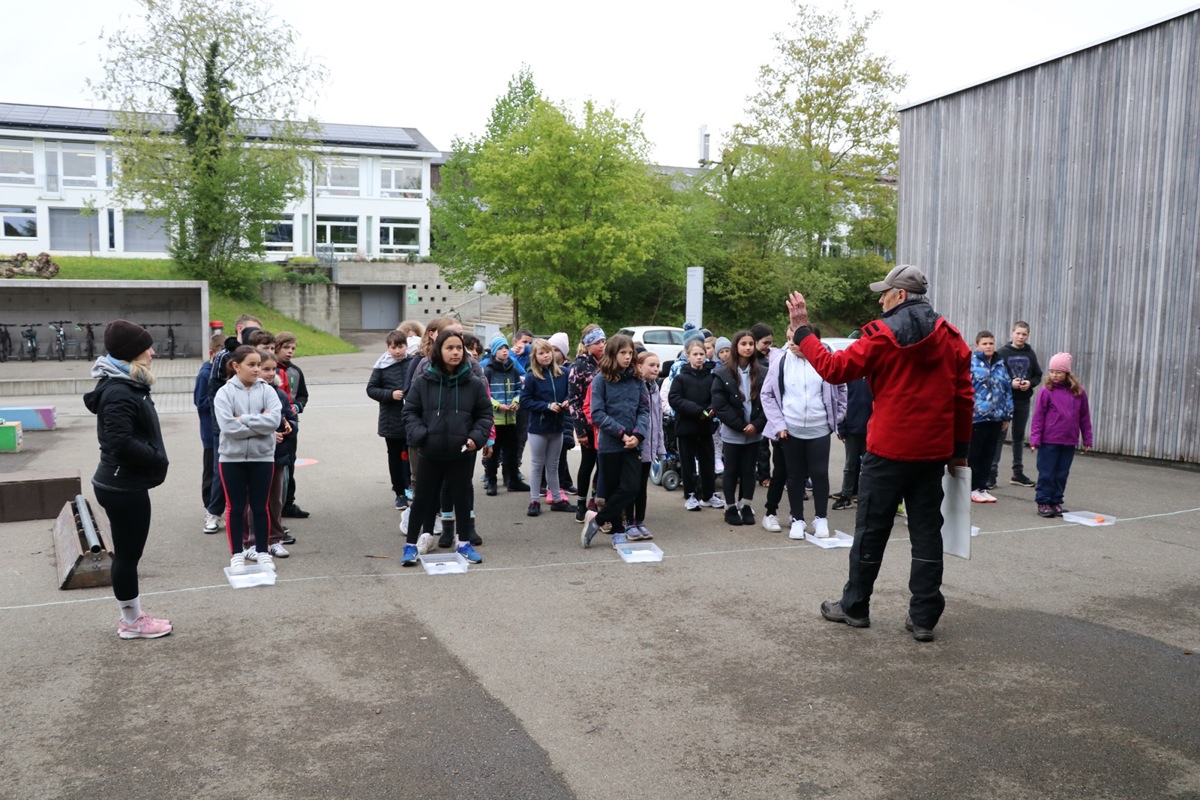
[(89, 340), (59, 348), (171, 340), (5, 342), (30, 348)]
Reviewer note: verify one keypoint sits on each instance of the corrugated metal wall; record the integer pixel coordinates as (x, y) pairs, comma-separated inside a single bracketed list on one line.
[(1068, 195)]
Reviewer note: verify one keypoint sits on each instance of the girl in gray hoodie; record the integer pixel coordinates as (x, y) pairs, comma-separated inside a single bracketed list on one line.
[(247, 412)]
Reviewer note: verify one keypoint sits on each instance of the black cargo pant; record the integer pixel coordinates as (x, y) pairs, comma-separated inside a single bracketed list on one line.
[(882, 484)]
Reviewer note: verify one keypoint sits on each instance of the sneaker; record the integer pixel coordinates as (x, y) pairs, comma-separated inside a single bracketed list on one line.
[(401, 502), (409, 556), (988, 497), (918, 633), (716, 501), (840, 502), (821, 528), (1045, 510), (991, 482), (404, 515), (562, 504), (1021, 479), (237, 561), (619, 539), (977, 496), (691, 504), (719, 467), (489, 486), (535, 508), (251, 553), (287, 536), (633, 532), (296, 512), (408, 494), (704, 503), (797, 529), (770, 523), (747, 515), (565, 495), (1059, 510), (581, 510), (832, 611), (424, 543), (439, 523), (266, 561), (590, 529), (212, 523), (732, 517), (568, 489), (644, 531), (518, 485), (278, 551), (144, 627), (468, 552)]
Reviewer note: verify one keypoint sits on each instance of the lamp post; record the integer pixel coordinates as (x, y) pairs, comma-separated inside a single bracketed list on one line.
[(479, 288)]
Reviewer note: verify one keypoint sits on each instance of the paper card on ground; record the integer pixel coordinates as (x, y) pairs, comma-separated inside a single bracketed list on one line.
[(956, 512)]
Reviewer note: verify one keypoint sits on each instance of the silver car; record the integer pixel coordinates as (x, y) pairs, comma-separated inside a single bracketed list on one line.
[(663, 341)]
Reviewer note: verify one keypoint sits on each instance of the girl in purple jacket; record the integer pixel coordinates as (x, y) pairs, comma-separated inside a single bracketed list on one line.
[(1060, 416)]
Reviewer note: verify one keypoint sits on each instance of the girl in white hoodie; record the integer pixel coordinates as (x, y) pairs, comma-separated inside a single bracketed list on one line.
[(247, 412)]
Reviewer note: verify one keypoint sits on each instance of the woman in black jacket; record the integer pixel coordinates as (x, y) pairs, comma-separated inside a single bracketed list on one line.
[(735, 397), (448, 417), (132, 462), (691, 399)]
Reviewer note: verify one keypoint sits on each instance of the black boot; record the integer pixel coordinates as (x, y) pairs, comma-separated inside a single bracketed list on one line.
[(489, 484), (446, 540)]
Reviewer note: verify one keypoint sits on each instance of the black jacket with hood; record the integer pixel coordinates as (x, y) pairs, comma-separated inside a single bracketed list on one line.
[(132, 455), (442, 411)]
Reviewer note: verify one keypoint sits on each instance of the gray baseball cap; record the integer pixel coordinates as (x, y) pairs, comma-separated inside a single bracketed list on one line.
[(906, 277)]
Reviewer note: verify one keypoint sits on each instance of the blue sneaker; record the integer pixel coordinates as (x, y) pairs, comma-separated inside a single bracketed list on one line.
[(408, 495), (590, 529), (401, 502), (466, 551), (619, 539), (636, 532), (409, 556)]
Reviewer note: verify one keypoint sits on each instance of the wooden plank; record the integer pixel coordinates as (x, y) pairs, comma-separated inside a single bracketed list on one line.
[(78, 566)]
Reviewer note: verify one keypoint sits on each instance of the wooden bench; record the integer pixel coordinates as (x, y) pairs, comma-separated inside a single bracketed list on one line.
[(36, 495)]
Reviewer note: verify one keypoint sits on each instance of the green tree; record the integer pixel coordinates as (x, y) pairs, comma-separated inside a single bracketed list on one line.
[(552, 210), (207, 137)]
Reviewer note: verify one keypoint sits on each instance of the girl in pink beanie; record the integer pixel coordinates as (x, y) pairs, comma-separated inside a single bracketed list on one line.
[(1060, 416)]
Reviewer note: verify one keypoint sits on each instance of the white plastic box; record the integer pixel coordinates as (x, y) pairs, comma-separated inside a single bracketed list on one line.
[(640, 552), (250, 575), (1089, 518), (444, 563), (837, 539)]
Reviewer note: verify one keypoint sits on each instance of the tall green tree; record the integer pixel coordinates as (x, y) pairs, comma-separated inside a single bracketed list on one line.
[(552, 209), (207, 135)]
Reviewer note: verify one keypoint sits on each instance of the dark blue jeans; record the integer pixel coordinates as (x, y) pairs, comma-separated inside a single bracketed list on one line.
[(882, 484), (1054, 467)]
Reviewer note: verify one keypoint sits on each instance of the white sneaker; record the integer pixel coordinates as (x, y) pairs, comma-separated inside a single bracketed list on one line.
[(424, 543), (770, 522), (716, 501), (977, 496), (797, 529), (278, 551), (251, 553), (691, 504), (988, 497), (720, 467), (821, 528), (437, 524), (404, 521), (704, 503), (212, 523), (266, 561), (238, 561)]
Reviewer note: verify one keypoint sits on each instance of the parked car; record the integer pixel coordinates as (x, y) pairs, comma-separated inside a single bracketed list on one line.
[(664, 341), (836, 343)]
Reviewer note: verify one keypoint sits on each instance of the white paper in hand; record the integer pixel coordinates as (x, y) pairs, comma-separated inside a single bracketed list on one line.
[(956, 512)]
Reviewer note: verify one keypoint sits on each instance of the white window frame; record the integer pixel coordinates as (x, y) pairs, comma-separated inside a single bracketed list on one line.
[(15, 213), (326, 171), (19, 178), (324, 229), (388, 227), (392, 172), (288, 246)]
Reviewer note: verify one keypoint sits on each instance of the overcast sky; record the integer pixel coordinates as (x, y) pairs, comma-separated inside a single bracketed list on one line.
[(439, 66)]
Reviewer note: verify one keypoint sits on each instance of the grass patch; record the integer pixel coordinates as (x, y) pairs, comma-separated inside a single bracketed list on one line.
[(310, 341)]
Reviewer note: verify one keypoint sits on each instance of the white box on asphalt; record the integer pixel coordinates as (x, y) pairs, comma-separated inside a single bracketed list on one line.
[(838, 539), (250, 575), (1089, 518), (444, 563), (640, 552)]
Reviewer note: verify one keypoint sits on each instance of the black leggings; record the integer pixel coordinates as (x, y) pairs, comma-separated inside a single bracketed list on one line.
[(693, 448), (453, 474), (587, 462), (129, 524), (247, 483), (397, 451), (807, 458), (639, 501), (740, 463), (620, 473)]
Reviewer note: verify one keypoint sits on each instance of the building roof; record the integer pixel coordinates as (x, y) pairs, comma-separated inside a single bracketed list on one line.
[(1195, 9), (98, 121)]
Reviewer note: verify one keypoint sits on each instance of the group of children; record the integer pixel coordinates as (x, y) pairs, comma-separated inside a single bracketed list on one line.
[(249, 396), (1005, 381)]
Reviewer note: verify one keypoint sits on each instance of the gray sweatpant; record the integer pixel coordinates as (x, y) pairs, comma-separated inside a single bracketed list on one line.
[(543, 457)]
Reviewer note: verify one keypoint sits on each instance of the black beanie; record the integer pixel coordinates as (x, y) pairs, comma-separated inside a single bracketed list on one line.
[(126, 340)]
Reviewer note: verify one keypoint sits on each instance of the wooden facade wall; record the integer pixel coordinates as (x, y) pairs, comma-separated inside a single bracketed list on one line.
[(1068, 195)]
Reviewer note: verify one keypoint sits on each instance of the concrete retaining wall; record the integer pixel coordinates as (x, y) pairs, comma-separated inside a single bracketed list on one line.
[(314, 304)]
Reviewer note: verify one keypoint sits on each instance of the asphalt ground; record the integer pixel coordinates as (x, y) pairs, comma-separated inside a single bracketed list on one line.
[(1065, 665)]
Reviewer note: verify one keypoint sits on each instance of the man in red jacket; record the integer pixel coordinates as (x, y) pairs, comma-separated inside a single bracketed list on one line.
[(919, 370)]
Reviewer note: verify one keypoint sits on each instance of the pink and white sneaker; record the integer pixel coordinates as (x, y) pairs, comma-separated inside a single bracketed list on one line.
[(145, 627)]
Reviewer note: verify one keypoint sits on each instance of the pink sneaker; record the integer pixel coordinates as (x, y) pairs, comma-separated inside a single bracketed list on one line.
[(146, 627), (566, 498)]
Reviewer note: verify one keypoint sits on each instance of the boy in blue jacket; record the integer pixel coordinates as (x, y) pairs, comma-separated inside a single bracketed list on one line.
[(203, 403)]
